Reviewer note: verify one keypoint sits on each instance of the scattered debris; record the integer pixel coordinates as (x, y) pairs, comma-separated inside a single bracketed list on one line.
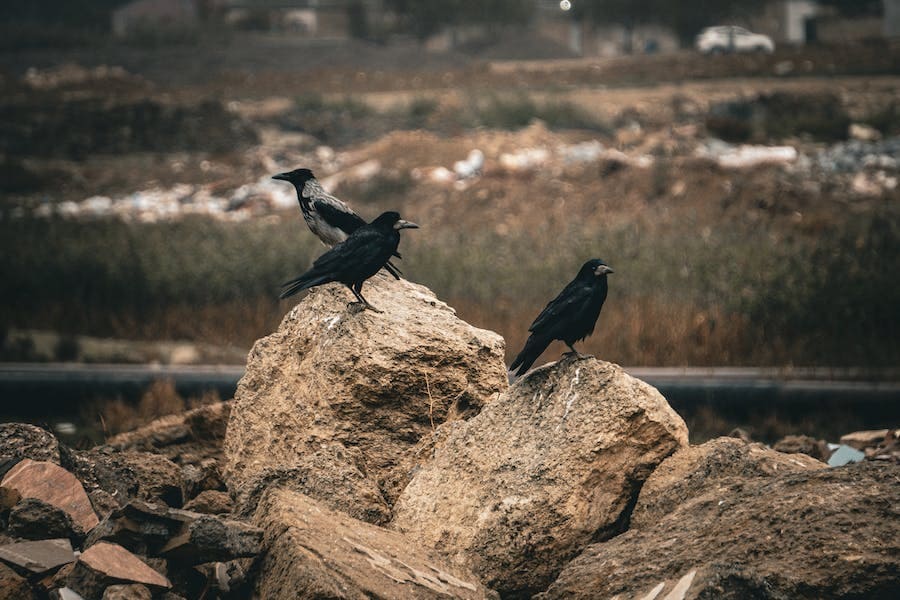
[(844, 455), (105, 564), (803, 444), (471, 166), (54, 485), (211, 502), (40, 556), (22, 440), (745, 156), (33, 519)]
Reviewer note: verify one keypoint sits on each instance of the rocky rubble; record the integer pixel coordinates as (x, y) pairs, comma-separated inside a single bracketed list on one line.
[(105, 523), (385, 456)]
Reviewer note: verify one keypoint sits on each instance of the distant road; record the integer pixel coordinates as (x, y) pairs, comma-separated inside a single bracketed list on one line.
[(826, 401), (65, 382)]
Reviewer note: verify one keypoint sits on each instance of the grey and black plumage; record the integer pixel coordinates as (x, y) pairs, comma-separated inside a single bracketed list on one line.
[(356, 259), (328, 217), (569, 317)]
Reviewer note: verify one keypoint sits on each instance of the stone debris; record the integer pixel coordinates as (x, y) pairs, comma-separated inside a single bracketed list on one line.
[(22, 440), (130, 475), (866, 439), (211, 502), (54, 485), (745, 156), (13, 586), (65, 594), (845, 455), (803, 444), (105, 564), (127, 592), (879, 444), (211, 539), (34, 519), (38, 557)]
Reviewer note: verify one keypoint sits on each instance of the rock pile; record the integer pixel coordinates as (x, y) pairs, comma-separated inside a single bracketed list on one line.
[(105, 523), (385, 456)]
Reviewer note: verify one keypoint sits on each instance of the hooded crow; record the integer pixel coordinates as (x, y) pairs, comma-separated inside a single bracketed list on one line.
[(356, 259), (569, 317), (326, 216)]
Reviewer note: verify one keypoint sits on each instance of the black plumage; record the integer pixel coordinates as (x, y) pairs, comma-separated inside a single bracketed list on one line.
[(328, 217), (356, 259), (569, 317)]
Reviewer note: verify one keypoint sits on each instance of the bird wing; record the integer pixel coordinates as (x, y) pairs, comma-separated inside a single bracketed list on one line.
[(567, 303), (337, 216), (354, 250)]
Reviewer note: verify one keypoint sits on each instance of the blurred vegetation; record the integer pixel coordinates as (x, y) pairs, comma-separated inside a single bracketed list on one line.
[(728, 296)]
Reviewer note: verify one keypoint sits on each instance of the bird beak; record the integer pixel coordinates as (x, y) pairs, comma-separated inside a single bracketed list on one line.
[(602, 270), (281, 177), (401, 224)]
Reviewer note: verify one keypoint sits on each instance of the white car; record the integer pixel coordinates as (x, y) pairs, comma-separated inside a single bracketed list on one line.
[(727, 38)]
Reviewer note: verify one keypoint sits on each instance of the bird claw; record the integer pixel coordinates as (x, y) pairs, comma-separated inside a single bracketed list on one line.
[(358, 307), (578, 354)]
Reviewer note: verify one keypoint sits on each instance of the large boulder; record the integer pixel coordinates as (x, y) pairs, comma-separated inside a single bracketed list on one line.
[(692, 472), (315, 553), (783, 530), (549, 467), (338, 396)]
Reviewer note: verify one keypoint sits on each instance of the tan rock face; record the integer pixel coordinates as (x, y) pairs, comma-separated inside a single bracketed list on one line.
[(806, 533), (359, 388), (315, 552), (692, 472), (550, 466), (54, 485)]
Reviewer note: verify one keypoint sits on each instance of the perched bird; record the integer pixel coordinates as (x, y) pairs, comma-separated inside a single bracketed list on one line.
[(326, 216), (357, 258), (569, 317)]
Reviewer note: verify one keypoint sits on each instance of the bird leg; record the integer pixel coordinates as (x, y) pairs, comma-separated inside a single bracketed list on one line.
[(576, 352), (357, 291)]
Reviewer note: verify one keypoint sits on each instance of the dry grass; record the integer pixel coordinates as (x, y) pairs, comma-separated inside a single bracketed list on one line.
[(160, 399)]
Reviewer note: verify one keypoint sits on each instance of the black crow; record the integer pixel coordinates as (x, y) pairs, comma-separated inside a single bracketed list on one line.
[(326, 216), (569, 317), (355, 259)]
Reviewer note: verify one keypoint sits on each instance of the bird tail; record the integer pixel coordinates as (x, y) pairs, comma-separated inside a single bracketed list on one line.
[(534, 347), (305, 281)]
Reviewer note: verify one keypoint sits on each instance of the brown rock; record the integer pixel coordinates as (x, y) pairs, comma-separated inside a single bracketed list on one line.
[(198, 432), (211, 539), (54, 485), (211, 502), (552, 465), (105, 564), (130, 475), (803, 444), (141, 527), (22, 440), (316, 553), (692, 471), (34, 519), (127, 592), (809, 533), (865, 439), (13, 586), (330, 471), (364, 386), (38, 557)]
